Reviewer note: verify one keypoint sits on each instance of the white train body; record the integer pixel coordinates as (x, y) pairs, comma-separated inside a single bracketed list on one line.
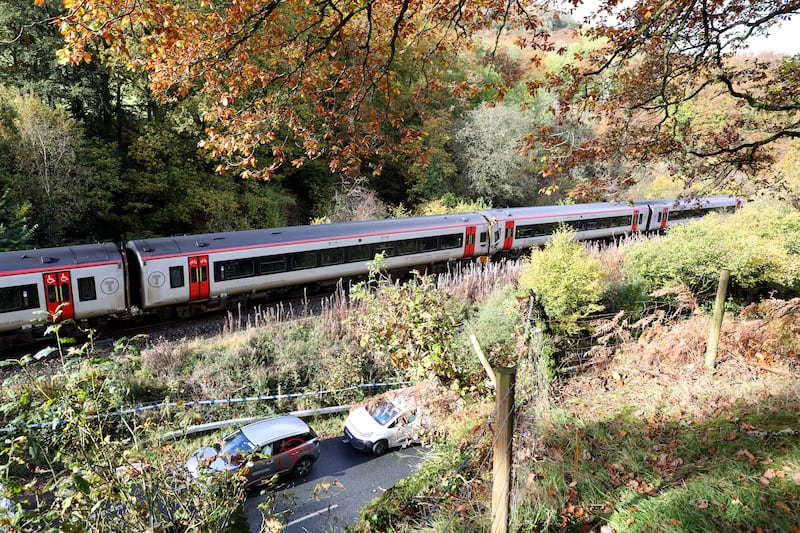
[(194, 273), (52, 284)]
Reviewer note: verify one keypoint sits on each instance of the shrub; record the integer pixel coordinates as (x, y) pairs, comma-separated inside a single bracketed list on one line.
[(496, 326), (566, 279), (412, 325), (759, 245)]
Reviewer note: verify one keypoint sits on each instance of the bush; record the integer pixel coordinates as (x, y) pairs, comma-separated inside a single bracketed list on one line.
[(759, 244), (566, 279), (496, 326), (411, 325)]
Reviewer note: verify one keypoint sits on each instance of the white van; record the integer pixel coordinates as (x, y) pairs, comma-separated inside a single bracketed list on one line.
[(395, 418)]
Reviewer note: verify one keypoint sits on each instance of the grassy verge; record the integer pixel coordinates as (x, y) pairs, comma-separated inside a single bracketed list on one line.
[(646, 441)]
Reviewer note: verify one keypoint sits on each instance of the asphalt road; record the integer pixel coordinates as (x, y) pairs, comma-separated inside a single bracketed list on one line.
[(340, 484)]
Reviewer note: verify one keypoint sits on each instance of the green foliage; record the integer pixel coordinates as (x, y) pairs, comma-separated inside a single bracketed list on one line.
[(496, 325), (412, 325), (450, 203), (89, 471), (15, 234), (490, 156), (760, 244), (566, 279)]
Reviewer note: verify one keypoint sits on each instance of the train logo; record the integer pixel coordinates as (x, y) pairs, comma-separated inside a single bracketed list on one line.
[(109, 286), (156, 279)]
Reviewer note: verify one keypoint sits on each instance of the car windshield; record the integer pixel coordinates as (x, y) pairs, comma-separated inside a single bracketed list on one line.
[(237, 444), (384, 412)]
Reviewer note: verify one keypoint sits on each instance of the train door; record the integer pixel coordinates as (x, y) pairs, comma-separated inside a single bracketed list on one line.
[(58, 293), (508, 240), (469, 242), (636, 221), (663, 218), (198, 277)]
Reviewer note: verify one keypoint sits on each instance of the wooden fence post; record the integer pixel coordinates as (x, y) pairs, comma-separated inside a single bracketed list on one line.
[(719, 313), (503, 434)]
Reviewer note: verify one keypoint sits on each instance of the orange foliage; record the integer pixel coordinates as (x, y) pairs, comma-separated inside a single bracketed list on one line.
[(330, 76)]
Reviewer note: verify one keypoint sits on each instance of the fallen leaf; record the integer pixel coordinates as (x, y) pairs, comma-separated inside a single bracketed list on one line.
[(730, 436), (796, 478), (745, 453), (783, 507), (701, 504)]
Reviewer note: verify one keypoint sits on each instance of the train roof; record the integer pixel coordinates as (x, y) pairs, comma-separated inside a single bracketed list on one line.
[(544, 211), (693, 203), (184, 244), (49, 259)]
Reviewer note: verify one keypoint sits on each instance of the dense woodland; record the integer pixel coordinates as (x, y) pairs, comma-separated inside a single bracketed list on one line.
[(165, 118)]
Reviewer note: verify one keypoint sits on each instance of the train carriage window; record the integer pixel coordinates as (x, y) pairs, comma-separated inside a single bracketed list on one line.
[(455, 240), (58, 293), (303, 260), (175, 277), (234, 269), (406, 247), (427, 244), (484, 237), (18, 298), (240, 268), (386, 248), (334, 256), (86, 289), (577, 225), (272, 264), (360, 252)]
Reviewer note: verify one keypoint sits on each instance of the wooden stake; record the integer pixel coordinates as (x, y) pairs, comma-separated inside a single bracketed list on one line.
[(719, 313), (503, 434)]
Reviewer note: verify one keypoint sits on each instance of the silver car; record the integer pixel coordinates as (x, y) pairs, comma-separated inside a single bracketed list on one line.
[(272, 446)]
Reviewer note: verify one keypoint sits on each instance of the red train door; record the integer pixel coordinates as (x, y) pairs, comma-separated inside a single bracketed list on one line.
[(198, 277), (635, 224), (469, 244), (508, 240), (58, 293), (664, 216)]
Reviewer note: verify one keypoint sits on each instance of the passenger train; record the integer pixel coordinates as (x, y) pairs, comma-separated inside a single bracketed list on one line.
[(182, 275)]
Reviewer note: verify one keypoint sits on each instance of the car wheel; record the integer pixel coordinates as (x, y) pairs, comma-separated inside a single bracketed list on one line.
[(303, 466), (380, 447)]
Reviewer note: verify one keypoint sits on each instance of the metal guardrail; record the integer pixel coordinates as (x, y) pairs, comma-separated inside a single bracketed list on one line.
[(225, 401), (212, 426)]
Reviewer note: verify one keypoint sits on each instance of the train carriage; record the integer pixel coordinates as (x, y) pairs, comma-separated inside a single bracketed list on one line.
[(680, 212), (194, 273), (215, 267), (520, 228), (54, 284)]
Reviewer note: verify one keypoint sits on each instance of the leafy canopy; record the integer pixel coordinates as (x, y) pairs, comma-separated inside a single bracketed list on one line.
[(325, 74), (661, 60)]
